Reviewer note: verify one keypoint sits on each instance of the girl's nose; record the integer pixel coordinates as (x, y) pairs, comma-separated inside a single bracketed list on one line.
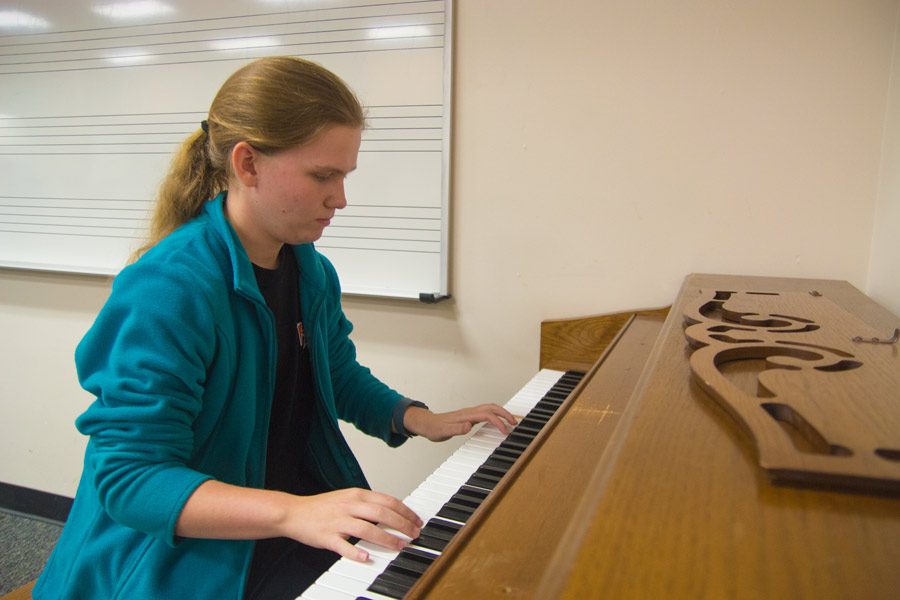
[(338, 198)]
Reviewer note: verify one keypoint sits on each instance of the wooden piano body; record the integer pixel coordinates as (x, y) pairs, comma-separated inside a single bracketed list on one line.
[(645, 486)]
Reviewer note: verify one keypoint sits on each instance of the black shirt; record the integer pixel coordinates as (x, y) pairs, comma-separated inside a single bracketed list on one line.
[(293, 404), (281, 567)]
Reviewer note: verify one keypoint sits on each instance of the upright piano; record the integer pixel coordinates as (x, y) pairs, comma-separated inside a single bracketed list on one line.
[(744, 443)]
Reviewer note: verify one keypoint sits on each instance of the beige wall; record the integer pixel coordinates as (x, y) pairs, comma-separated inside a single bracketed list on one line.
[(602, 151), (884, 271)]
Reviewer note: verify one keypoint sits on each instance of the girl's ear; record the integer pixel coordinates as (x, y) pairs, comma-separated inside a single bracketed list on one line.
[(244, 161)]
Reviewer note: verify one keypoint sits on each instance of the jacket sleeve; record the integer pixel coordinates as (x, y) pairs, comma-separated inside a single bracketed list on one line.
[(359, 396), (145, 360)]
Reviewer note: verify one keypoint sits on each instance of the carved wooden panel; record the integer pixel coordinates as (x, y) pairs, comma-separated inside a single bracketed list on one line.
[(816, 388)]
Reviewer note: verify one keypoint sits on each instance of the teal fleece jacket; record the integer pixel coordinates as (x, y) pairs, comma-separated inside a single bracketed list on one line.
[(181, 361)]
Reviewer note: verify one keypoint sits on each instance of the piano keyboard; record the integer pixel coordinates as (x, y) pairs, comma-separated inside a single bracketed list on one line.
[(447, 498)]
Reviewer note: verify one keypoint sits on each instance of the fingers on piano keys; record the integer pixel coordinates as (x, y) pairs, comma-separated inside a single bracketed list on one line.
[(448, 498)]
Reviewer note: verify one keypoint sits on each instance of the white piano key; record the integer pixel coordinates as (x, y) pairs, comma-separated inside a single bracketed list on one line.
[(481, 445), (437, 486), (427, 494), (363, 571), (473, 453), (332, 591), (456, 470), (347, 585), (452, 466), (340, 582), (426, 508), (491, 433), (449, 475), (321, 592), (467, 459), (378, 551)]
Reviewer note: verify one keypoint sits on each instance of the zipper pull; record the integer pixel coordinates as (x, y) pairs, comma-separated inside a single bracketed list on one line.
[(301, 335)]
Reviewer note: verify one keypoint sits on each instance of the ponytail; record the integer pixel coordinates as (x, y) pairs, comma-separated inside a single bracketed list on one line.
[(190, 182)]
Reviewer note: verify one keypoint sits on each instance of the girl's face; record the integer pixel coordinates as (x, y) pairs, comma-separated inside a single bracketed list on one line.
[(292, 195)]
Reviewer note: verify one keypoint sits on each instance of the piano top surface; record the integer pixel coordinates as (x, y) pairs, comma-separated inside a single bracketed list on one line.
[(675, 505)]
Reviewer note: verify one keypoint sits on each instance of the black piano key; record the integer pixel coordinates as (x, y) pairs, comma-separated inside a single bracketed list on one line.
[(414, 559), (532, 424), (441, 529), (386, 587), (430, 542), (482, 482), (473, 493), (499, 462), (536, 421), (509, 453), (400, 577), (487, 473), (519, 438), (455, 512), (486, 469), (547, 405), (402, 573), (436, 534), (506, 455), (460, 507), (463, 503), (465, 500), (541, 413), (551, 401), (544, 406), (511, 448), (533, 420), (513, 445), (528, 429), (526, 432), (500, 459), (410, 554)]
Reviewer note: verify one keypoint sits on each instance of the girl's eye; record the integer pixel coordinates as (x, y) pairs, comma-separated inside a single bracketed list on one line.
[(322, 176)]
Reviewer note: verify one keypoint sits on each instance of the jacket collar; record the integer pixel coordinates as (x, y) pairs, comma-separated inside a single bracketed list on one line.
[(244, 281)]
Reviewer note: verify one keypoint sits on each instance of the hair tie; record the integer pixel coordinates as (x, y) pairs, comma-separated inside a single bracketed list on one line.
[(204, 125)]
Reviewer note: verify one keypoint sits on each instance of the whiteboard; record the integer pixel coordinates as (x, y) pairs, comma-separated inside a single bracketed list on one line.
[(93, 105)]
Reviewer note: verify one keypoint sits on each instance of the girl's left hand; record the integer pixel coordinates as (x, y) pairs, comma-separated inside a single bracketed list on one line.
[(438, 427)]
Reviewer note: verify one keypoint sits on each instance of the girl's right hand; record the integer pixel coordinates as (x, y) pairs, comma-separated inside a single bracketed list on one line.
[(328, 520)]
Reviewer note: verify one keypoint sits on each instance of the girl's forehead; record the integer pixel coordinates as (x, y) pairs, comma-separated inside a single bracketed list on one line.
[(336, 148)]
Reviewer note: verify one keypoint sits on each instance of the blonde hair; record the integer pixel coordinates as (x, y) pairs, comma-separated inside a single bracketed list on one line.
[(273, 103)]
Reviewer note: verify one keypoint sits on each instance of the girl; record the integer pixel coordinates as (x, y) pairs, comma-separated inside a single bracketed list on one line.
[(221, 363)]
